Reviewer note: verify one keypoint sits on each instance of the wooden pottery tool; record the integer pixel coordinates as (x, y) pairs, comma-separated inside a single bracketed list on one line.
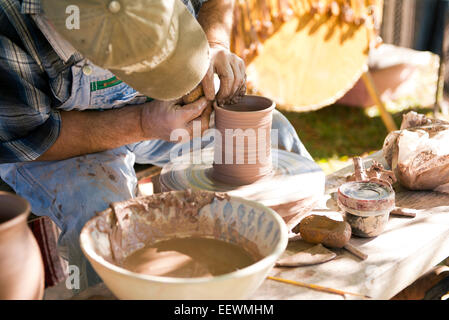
[(331, 233), (318, 287), (404, 212), (314, 255)]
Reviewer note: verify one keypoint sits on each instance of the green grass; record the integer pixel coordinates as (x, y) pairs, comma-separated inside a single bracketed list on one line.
[(335, 134)]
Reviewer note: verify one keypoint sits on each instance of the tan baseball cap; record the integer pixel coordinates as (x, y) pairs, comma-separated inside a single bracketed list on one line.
[(155, 46)]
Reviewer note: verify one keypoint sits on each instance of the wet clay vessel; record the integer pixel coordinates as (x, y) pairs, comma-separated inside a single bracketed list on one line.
[(22, 270), (285, 181), (243, 155)]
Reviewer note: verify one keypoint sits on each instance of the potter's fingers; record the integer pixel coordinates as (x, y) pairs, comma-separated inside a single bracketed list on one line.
[(202, 121), (192, 127), (226, 75), (242, 70), (242, 67), (242, 90), (205, 118), (189, 128), (193, 110), (239, 79), (208, 84)]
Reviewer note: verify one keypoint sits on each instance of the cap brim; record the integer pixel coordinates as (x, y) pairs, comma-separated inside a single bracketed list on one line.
[(182, 71)]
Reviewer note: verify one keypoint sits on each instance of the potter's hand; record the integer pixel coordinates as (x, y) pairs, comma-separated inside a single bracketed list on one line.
[(231, 71), (160, 118)]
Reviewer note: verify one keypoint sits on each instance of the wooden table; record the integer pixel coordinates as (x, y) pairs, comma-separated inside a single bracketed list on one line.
[(400, 255)]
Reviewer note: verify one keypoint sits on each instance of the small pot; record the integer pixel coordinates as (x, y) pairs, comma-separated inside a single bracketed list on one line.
[(252, 114), (21, 266)]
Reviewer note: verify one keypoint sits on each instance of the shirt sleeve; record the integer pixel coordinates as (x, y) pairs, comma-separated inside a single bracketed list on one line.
[(194, 6), (28, 124)]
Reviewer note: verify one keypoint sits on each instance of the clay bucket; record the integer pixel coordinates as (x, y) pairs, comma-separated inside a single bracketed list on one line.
[(22, 270), (243, 154)]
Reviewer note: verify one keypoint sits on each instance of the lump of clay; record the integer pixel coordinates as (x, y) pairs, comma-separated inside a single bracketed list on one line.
[(418, 154), (321, 229)]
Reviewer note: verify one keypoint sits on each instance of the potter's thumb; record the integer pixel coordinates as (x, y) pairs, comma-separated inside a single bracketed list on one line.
[(194, 110)]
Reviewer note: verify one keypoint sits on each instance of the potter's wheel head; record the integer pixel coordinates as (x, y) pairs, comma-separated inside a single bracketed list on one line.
[(293, 178)]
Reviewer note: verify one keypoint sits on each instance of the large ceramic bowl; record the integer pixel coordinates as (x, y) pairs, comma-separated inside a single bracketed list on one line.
[(236, 220)]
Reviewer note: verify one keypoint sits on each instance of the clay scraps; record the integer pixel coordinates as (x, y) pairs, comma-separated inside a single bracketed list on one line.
[(419, 153), (376, 172)]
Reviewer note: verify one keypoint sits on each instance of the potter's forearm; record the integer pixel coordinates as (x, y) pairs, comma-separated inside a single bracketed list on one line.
[(85, 132), (216, 19)]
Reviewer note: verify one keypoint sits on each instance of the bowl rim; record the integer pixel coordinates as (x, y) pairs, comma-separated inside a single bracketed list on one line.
[(264, 110), (251, 269)]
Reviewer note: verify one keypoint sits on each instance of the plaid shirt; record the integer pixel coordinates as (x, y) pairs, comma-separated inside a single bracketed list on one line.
[(34, 81)]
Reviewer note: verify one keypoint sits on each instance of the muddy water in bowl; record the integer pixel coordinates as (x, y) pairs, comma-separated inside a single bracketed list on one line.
[(132, 246), (191, 257)]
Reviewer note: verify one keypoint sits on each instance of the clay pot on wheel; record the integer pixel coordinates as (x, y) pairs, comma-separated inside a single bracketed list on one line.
[(22, 270), (243, 155)]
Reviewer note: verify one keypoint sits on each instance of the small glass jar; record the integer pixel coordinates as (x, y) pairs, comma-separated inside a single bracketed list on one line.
[(367, 206)]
